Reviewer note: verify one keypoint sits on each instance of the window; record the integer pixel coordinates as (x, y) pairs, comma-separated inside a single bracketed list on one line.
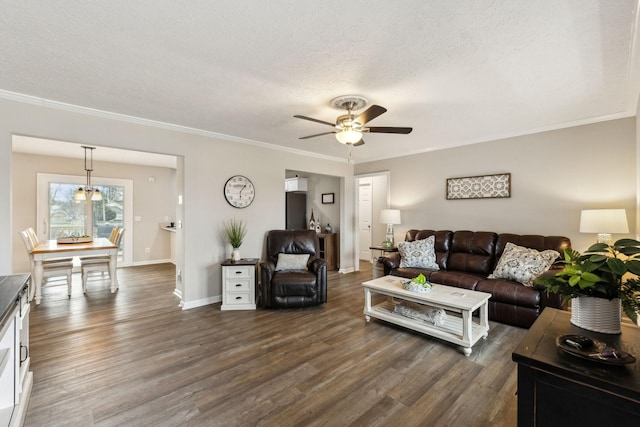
[(60, 216)]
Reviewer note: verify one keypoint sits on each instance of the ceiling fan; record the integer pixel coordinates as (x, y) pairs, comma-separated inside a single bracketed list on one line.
[(349, 128)]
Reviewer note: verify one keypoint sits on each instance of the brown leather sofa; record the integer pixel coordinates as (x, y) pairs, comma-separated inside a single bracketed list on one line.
[(293, 288), (466, 258)]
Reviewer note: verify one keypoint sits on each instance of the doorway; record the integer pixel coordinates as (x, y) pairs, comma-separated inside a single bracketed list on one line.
[(372, 194)]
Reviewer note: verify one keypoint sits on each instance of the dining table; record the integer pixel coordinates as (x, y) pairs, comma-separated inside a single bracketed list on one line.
[(50, 249)]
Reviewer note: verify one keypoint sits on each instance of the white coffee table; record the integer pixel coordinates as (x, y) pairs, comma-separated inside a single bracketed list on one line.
[(459, 328)]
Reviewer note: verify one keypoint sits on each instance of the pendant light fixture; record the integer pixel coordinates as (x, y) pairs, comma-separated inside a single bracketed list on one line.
[(88, 192)]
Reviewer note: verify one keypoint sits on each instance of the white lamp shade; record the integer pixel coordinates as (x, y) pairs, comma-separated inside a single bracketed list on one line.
[(604, 221), (390, 216), (349, 136)]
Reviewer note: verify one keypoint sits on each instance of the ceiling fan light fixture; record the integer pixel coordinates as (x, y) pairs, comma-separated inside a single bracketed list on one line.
[(349, 136)]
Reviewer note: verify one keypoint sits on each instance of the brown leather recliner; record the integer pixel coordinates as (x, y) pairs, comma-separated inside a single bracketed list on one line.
[(293, 288)]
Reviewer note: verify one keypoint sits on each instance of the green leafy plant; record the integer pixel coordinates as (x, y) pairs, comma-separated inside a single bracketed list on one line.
[(235, 231), (421, 280), (603, 271)]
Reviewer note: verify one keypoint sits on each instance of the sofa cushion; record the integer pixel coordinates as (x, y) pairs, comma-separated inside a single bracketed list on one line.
[(523, 264), (411, 272), (418, 254), (292, 262), (473, 252), (459, 279), (510, 292)]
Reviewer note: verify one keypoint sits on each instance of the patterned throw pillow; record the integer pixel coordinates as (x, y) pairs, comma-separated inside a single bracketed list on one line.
[(292, 262), (418, 254), (523, 264)]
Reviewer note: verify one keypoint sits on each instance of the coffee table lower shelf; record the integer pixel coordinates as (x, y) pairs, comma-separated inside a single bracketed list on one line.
[(451, 331)]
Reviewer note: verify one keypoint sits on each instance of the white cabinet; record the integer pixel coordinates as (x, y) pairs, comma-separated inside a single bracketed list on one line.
[(15, 378), (295, 184), (239, 285)]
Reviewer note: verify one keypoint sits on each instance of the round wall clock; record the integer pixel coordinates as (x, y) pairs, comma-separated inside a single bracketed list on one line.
[(239, 191)]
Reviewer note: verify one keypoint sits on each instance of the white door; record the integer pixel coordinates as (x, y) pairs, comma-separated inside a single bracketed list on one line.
[(364, 217), (59, 215)]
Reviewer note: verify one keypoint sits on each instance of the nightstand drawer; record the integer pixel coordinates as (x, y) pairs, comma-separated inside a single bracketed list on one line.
[(238, 285), (240, 272), (238, 298)]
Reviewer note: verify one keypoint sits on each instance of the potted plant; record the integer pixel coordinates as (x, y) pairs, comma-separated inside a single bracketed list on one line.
[(235, 231), (599, 282)]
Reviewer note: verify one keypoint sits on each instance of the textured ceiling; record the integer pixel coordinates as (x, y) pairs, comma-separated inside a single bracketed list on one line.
[(458, 72)]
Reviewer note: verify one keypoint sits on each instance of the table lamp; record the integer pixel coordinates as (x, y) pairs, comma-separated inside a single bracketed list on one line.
[(389, 217), (604, 222)]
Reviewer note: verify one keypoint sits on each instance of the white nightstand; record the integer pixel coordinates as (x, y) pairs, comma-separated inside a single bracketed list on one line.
[(239, 284)]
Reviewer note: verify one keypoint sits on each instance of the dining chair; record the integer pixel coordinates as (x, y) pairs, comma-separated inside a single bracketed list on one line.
[(99, 263), (50, 268), (95, 258)]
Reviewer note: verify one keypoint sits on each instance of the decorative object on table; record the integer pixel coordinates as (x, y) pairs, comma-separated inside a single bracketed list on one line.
[(74, 239), (327, 198), (479, 187), (239, 191), (436, 316), (89, 192), (604, 222), (595, 283), (235, 232), (312, 222), (389, 217), (592, 349), (328, 229), (417, 284)]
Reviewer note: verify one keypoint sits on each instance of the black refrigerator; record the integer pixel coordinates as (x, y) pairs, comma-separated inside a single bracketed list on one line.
[(296, 210)]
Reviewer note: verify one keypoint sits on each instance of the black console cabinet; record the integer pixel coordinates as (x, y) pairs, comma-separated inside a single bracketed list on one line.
[(558, 389)]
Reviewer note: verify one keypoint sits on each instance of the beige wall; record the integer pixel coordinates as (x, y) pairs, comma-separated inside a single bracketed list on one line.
[(207, 161), (153, 201), (554, 175)]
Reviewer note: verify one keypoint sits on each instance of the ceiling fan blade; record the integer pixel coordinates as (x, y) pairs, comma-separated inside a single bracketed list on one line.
[(317, 134), (370, 114), (390, 130), (361, 142), (314, 120)]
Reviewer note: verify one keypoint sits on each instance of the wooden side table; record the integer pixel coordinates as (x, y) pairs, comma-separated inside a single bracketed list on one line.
[(378, 270), (328, 249), (239, 284), (558, 389), (384, 249)]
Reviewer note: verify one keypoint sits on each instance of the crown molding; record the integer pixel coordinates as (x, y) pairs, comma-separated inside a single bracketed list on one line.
[(48, 103)]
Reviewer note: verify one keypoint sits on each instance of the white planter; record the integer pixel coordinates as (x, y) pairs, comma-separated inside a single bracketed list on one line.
[(597, 314), (235, 254)]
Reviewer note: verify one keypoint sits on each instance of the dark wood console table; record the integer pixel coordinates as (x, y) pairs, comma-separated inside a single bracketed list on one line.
[(558, 389)]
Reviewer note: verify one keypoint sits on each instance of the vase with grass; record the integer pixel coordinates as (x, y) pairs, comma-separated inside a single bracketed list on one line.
[(235, 231)]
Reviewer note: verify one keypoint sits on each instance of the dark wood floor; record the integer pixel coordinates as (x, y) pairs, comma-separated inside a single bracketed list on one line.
[(135, 358)]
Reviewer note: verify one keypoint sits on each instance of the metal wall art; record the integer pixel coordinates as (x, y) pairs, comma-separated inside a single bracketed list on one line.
[(479, 187)]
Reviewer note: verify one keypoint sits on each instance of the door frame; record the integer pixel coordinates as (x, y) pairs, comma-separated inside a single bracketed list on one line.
[(387, 203)]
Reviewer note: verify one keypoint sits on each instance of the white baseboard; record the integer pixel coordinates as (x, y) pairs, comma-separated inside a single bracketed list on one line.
[(150, 262), (201, 302), (346, 270)]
